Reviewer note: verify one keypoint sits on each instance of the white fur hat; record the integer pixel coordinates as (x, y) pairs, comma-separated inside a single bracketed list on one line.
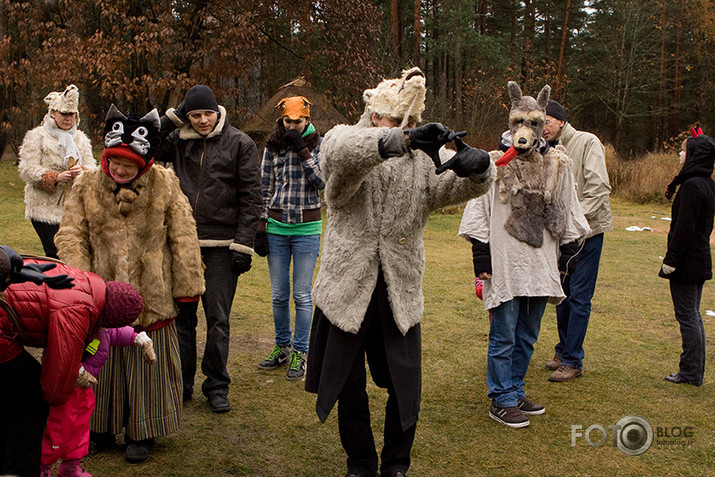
[(66, 101), (399, 98)]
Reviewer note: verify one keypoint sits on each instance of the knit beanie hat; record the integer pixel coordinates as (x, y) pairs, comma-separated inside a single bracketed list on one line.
[(66, 101), (132, 138), (294, 107), (122, 306), (200, 98), (399, 98), (555, 110)]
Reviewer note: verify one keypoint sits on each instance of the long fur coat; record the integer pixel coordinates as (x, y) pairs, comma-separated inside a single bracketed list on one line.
[(40, 162), (377, 210), (147, 239)]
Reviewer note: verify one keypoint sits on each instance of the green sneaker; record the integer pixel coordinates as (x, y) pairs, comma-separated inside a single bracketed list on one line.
[(278, 357), (296, 368)]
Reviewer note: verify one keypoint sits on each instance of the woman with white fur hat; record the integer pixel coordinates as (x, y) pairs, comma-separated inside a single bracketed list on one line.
[(381, 183), (51, 156)]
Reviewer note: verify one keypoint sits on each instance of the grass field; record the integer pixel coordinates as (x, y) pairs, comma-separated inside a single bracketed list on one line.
[(632, 343)]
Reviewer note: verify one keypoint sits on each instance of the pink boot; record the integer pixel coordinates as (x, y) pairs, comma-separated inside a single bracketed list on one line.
[(72, 468), (45, 470)]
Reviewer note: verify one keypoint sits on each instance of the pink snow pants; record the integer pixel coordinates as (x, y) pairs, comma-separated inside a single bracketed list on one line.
[(67, 431)]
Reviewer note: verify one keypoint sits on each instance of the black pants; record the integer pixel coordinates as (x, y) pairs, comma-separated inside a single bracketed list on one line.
[(47, 232), (217, 300), (353, 406), (686, 304), (23, 415)]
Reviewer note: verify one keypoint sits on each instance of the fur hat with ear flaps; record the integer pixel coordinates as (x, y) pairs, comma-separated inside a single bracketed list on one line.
[(66, 101), (399, 98)]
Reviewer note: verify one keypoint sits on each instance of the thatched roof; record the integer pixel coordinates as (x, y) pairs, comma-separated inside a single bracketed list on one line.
[(323, 114)]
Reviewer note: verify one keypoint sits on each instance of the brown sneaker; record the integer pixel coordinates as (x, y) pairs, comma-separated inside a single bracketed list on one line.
[(553, 364), (565, 373), (510, 416)]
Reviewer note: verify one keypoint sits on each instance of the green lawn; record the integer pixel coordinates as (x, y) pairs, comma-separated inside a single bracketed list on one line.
[(633, 342)]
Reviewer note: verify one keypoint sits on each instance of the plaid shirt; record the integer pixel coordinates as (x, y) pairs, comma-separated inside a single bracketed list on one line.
[(290, 184)]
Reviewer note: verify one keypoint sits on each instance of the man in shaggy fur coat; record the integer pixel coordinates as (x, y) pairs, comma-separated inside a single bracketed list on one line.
[(380, 188)]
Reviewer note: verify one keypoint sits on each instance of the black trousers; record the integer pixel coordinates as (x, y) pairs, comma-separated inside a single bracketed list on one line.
[(354, 411), (47, 232), (686, 304), (23, 415)]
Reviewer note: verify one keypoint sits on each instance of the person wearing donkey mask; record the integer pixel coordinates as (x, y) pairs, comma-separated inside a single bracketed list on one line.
[(383, 176)]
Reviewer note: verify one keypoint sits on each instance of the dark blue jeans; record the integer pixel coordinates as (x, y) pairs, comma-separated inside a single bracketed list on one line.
[(686, 303), (573, 313)]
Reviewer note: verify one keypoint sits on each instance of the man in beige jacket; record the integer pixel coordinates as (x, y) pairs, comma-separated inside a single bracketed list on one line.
[(593, 189)]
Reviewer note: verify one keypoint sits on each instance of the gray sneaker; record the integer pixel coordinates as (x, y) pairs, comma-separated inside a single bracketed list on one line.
[(278, 357), (296, 367), (510, 416)]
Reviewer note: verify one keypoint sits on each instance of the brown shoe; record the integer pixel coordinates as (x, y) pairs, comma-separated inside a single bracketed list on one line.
[(553, 364), (565, 373)]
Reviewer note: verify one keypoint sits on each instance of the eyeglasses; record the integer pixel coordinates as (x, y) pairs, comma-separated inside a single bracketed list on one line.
[(549, 121)]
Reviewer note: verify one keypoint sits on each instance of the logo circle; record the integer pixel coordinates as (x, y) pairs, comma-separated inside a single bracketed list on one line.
[(634, 435)]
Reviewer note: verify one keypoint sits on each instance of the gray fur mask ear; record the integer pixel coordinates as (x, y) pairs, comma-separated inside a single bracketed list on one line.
[(114, 113), (514, 92), (543, 99), (152, 117)]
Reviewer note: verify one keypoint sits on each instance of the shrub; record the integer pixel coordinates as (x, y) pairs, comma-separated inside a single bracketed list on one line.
[(642, 179)]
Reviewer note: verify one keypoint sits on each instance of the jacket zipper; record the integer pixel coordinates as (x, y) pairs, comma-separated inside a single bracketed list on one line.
[(201, 174)]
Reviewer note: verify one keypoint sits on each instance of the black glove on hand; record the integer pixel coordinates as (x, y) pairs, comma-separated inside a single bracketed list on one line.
[(34, 272), (430, 137), (467, 161), (294, 140), (180, 112), (481, 257), (260, 245), (569, 257), (240, 262)]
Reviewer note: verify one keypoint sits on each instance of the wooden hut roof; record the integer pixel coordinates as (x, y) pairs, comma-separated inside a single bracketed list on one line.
[(323, 114)]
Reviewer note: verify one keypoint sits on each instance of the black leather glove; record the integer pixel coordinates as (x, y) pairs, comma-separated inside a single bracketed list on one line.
[(260, 245), (569, 257), (180, 112), (294, 140), (240, 262), (467, 161), (34, 272), (481, 257), (430, 137)]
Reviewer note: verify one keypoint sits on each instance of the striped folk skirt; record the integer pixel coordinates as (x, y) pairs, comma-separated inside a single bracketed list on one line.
[(132, 393)]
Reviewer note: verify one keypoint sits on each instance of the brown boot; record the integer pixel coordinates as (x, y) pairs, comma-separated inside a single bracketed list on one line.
[(565, 373), (553, 364)]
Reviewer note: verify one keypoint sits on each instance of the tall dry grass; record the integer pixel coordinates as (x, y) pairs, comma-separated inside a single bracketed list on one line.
[(642, 179)]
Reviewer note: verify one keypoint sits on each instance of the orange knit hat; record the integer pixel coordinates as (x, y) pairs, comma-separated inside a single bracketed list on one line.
[(294, 107)]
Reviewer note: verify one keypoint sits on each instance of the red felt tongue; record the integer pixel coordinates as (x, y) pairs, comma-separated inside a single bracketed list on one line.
[(507, 157)]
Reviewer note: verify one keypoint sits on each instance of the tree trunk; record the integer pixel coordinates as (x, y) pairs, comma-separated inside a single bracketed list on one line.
[(562, 47), (396, 29), (418, 32)]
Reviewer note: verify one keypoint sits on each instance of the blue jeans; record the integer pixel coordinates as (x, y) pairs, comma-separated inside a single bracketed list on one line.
[(686, 304), (514, 330), (573, 313), (304, 251)]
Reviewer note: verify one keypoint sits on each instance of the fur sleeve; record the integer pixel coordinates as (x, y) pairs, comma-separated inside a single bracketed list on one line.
[(30, 156), (186, 267), (347, 155), (72, 239), (85, 150), (448, 188)]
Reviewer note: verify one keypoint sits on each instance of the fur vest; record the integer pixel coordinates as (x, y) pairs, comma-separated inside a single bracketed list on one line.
[(377, 210), (145, 237), (40, 162)]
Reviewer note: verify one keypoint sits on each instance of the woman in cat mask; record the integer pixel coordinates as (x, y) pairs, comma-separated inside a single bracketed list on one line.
[(129, 221), (52, 155)]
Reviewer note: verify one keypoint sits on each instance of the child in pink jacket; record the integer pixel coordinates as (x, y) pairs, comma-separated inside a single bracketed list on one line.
[(67, 432)]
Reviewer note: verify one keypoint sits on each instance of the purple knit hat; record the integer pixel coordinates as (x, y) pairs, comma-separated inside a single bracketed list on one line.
[(122, 306)]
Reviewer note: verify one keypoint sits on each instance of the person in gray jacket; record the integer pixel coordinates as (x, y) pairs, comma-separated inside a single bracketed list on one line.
[(219, 172), (380, 187), (593, 190)]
